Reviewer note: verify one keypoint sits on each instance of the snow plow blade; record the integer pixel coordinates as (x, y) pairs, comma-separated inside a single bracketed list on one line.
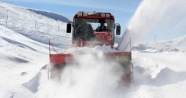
[(121, 57), (59, 61)]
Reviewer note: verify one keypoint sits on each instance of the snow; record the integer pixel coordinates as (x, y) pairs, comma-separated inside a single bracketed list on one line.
[(24, 57), (169, 71), (51, 15), (79, 50), (161, 18), (23, 49)]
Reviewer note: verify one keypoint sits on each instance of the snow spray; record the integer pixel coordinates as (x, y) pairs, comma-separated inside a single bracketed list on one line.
[(155, 16), (93, 76)]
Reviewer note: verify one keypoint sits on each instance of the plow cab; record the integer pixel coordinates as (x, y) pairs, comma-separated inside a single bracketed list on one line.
[(90, 29)]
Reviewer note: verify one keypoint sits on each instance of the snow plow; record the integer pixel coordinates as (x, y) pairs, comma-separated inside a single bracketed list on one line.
[(92, 29)]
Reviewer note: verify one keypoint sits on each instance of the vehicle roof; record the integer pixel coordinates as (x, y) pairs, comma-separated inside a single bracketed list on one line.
[(94, 15)]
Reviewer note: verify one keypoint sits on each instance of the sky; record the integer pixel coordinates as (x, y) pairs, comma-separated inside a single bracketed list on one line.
[(123, 10)]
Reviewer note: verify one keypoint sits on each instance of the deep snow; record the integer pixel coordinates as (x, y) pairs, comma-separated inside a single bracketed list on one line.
[(24, 54)]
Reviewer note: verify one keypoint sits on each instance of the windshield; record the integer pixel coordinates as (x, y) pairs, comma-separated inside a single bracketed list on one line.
[(85, 28), (95, 23)]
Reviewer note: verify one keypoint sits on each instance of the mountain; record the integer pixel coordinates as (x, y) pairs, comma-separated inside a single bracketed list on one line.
[(177, 44), (24, 37), (33, 25), (51, 15)]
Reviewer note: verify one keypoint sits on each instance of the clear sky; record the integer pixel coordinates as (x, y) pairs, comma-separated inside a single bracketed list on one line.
[(121, 9)]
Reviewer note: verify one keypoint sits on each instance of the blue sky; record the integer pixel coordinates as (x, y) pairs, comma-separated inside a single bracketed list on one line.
[(121, 9)]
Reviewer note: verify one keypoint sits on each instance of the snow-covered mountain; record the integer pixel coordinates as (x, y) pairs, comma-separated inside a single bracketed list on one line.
[(51, 15), (24, 38), (178, 44), (32, 25)]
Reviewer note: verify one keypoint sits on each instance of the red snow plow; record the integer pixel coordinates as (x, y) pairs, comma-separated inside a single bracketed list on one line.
[(92, 29)]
